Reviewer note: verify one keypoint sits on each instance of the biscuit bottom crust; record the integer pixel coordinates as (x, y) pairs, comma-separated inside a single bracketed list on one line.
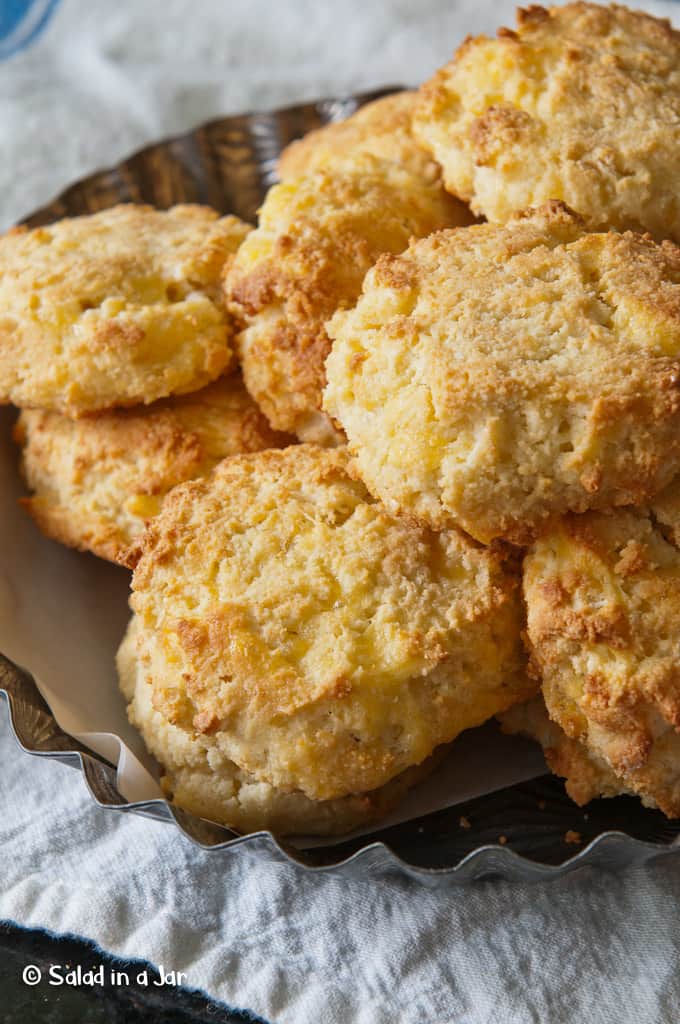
[(586, 775), (324, 644), (199, 778)]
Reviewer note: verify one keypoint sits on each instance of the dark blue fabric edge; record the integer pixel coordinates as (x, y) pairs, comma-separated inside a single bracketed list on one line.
[(245, 1014)]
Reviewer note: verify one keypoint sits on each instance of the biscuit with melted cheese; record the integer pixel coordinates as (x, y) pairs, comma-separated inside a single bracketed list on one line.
[(316, 238), (581, 104), (96, 481), (117, 308), (381, 128), (493, 376), (322, 643)]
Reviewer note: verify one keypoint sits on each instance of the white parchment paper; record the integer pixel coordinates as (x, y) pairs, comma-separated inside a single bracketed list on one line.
[(62, 616)]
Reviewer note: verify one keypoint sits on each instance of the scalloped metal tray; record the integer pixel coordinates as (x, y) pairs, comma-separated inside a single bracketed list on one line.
[(518, 833)]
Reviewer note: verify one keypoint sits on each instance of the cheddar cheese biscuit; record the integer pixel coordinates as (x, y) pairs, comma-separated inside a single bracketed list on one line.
[(323, 644), (603, 601), (581, 104), (493, 376), (381, 128), (117, 308), (97, 480), (316, 238)]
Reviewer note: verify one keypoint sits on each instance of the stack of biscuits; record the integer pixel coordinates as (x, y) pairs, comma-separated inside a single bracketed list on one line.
[(402, 457)]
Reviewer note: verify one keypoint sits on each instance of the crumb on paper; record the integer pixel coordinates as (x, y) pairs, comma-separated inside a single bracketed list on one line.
[(502, 840), (572, 837), (464, 822)]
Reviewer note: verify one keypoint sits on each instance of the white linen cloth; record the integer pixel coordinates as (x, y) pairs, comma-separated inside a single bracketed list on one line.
[(98, 81)]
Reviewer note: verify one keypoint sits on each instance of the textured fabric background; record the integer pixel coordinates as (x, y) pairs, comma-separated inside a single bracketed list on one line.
[(80, 87)]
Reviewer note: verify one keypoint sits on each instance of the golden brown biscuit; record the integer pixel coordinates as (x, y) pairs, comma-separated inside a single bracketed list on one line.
[(198, 777), (118, 308), (323, 644), (581, 103), (99, 479), (317, 237), (603, 602), (586, 775), (381, 128), (492, 376)]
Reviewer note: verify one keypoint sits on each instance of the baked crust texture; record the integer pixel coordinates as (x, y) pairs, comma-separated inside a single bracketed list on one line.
[(316, 238), (603, 601), (116, 308), (325, 645), (581, 103), (96, 481), (198, 777), (493, 376)]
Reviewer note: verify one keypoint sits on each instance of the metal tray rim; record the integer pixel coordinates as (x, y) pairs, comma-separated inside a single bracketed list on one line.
[(37, 733)]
